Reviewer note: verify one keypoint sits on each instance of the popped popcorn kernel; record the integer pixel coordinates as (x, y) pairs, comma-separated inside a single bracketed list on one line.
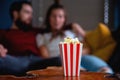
[(71, 40)]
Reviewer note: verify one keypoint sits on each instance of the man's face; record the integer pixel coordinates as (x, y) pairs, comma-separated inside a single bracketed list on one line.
[(25, 15)]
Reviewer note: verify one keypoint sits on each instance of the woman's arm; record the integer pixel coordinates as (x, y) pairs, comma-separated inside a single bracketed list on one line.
[(80, 32), (40, 41), (43, 52), (78, 29)]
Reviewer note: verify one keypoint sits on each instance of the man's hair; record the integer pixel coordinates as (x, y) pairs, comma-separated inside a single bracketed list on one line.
[(17, 6)]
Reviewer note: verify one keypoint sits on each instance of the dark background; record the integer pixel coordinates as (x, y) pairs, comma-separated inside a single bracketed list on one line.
[(114, 14)]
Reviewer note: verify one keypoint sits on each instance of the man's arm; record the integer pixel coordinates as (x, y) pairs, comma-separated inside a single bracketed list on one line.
[(3, 42), (3, 51)]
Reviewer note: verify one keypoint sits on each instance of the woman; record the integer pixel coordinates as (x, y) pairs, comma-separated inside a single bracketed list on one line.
[(56, 30)]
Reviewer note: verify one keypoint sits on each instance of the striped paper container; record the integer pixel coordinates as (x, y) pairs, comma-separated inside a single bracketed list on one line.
[(71, 57)]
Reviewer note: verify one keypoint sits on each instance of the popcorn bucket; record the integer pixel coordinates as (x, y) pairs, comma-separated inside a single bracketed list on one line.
[(71, 57)]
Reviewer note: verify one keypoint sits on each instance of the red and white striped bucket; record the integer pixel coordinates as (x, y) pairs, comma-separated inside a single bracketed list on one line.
[(71, 58)]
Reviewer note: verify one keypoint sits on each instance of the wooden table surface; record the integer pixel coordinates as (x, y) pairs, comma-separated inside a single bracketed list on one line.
[(56, 74)]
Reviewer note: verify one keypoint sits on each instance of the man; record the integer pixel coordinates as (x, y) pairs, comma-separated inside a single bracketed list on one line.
[(18, 50)]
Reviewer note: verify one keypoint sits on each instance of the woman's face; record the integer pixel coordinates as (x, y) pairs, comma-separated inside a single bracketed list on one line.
[(57, 19)]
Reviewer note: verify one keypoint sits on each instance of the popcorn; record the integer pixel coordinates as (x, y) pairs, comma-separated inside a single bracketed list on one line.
[(71, 40), (71, 56)]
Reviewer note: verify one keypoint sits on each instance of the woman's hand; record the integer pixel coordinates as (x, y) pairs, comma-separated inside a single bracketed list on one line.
[(86, 51), (86, 48), (3, 51), (43, 52)]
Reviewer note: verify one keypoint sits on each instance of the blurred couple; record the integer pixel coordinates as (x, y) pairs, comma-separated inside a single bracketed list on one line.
[(23, 49)]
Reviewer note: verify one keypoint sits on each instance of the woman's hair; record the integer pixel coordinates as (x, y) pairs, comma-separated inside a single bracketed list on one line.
[(55, 5)]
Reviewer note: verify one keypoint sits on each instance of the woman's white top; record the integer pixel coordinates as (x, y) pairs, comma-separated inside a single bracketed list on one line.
[(53, 45)]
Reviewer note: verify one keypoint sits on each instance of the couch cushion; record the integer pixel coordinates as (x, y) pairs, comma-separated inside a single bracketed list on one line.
[(101, 42)]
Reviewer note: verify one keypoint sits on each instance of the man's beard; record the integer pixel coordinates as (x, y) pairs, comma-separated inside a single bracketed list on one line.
[(22, 25)]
